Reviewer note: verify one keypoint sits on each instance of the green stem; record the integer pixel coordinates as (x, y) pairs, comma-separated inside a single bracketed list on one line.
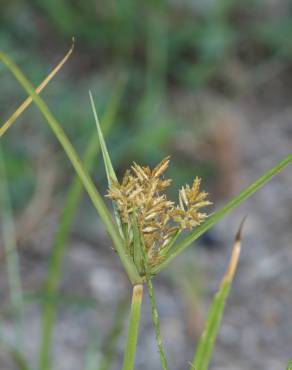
[(61, 240), (87, 182), (156, 324), (130, 350), (154, 310), (55, 269)]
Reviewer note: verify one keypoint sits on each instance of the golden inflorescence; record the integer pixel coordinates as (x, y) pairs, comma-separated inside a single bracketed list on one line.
[(141, 202)]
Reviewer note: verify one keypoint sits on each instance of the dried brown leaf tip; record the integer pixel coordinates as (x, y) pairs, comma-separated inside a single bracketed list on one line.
[(141, 200)]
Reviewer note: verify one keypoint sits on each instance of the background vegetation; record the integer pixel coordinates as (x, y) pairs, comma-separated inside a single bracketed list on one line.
[(189, 70)]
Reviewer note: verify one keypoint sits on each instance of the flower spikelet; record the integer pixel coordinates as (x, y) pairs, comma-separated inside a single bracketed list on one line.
[(191, 199), (141, 200)]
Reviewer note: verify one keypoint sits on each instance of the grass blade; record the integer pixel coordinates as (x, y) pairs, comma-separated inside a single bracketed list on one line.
[(234, 202), (133, 330), (205, 347), (289, 367), (110, 172), (29, 100), (71, 203), (87, 182)]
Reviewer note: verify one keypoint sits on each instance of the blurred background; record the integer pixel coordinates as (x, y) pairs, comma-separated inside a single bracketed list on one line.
[(207, 82)]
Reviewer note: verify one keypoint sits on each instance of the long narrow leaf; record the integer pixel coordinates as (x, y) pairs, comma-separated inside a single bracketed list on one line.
[(29, 100), (205, 347), (289, 366), (61, 239), (83, 174), (110, 172), (234, 202)]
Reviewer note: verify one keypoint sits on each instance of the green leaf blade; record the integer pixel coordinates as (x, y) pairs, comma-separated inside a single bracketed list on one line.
[(26, 103), (208, 338), (206, 344), (61, 239), (217, 216), (110, 172), (87, 182)]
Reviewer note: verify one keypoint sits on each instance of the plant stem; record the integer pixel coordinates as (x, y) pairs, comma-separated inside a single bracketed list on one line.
[(61, 240), (28, 100), (156, 324), (55, 269), (86, 180), (130, 350), (154, 310)]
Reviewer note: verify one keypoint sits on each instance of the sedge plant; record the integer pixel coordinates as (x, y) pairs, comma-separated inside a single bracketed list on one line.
[(147, 230)]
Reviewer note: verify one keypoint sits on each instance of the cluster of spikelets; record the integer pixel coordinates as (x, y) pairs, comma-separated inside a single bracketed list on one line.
[(141, 202)]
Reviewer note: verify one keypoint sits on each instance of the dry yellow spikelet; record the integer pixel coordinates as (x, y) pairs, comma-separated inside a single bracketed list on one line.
[(141, 196)]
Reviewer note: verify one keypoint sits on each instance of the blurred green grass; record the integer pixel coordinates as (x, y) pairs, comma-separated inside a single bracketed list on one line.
[(162, 46), (165, 47)]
